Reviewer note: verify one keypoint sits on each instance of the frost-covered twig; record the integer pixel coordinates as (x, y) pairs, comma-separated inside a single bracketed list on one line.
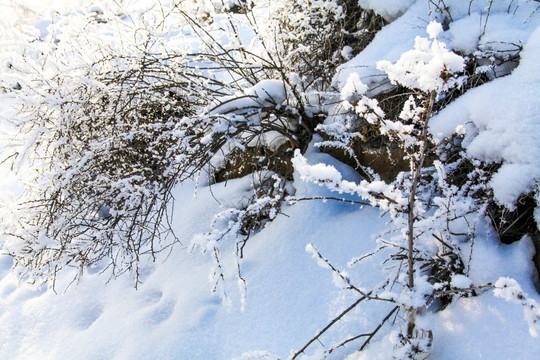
[(509, 290), (369, 335), (293, 200), (346, 281), (329, 325)]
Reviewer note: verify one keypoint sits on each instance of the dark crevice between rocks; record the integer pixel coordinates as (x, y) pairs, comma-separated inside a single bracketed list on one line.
[(513, 225)]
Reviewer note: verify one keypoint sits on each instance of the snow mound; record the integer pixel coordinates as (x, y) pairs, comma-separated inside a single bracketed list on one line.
[(502, 119)]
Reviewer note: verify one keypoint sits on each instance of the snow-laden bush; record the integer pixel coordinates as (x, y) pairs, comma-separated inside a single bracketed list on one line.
[(108, 135), (116, 109)]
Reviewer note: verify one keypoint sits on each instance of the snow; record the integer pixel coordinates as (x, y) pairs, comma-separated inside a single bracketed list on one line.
[(494, 138), (182, 311), (460, 281), (489, 319), (465, 34), (353, 88), (390, 9), (346, 52), (265, 93)]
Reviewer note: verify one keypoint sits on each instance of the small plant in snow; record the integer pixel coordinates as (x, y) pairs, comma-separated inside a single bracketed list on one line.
[(424, 213)]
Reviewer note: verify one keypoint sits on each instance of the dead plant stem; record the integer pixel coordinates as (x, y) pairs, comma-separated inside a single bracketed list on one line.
[(417, 169)]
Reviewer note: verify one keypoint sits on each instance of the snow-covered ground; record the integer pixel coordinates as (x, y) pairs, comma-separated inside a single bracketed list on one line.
[(175, 315), (287, 296)]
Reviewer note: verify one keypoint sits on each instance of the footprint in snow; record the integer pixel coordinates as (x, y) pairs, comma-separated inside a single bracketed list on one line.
[(88, 316), (161, 312)]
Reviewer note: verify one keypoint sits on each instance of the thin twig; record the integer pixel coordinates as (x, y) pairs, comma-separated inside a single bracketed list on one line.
[(487, 17), (320, 333), (379, 327), (458, 291), (369, 335), (324, 198)]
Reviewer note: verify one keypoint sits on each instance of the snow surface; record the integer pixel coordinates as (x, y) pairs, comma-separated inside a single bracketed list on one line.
[(175, 315)]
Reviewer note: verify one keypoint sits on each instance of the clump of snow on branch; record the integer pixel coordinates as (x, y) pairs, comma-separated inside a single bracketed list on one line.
[(429, 67), (376, 192), (390, 9)]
